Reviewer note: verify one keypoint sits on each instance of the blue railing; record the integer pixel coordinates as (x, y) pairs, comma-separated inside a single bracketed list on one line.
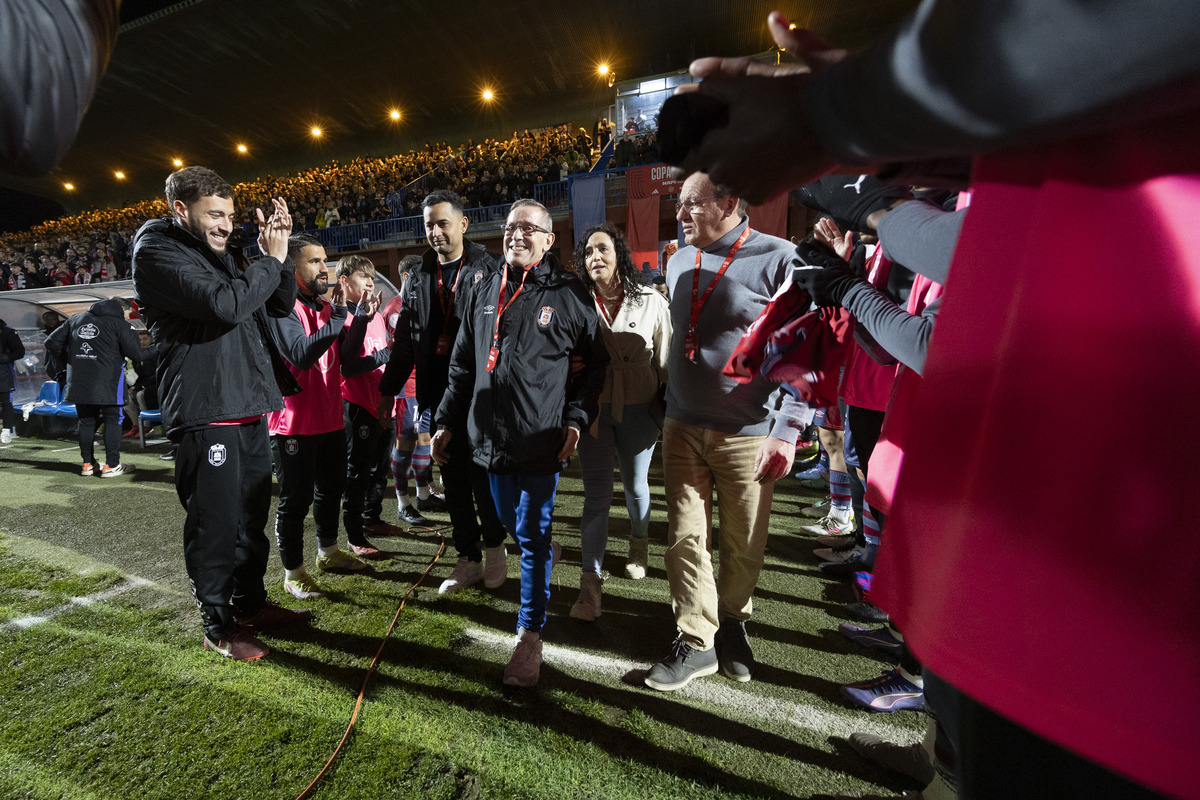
[(401, 231)]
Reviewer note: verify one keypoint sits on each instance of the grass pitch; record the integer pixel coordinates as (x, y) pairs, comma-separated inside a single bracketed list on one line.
[(108, 693)]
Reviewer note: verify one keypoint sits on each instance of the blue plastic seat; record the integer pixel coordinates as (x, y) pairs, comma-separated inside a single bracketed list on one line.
[(147, 420), (51, 396)]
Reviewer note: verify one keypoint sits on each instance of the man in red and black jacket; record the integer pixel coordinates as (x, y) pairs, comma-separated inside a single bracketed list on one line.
[(430, 316)]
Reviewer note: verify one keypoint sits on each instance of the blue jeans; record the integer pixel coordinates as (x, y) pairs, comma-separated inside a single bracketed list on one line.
[(630, 443), (525, 504)]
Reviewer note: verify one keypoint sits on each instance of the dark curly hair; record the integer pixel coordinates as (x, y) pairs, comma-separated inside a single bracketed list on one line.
[(627, 273)]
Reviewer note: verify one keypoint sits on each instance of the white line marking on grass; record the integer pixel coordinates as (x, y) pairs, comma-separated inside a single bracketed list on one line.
[(128, 583), (65, 449), (717, 692)]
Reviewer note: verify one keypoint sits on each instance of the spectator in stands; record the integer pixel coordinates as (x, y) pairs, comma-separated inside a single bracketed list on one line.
[(636, 328), (94, 346)]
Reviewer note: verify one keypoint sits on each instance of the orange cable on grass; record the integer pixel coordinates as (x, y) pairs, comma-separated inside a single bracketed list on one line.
[(371, 669)]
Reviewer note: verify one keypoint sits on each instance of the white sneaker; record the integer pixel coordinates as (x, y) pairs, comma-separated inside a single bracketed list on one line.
[(525, 666), (495, 566), (635, 564), (831, 526), (465, 573), (6, 436)]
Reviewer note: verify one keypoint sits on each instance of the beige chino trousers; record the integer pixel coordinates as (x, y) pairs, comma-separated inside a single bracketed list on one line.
[(695, 462)]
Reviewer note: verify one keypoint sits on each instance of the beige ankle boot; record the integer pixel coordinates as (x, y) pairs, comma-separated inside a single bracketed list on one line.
[(587, 607), (635, 565)]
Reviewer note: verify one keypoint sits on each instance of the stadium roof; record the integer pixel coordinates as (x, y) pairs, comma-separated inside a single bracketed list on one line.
[(193, 79)]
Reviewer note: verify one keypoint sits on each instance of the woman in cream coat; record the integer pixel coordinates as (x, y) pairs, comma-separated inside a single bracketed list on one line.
[(636, 327)]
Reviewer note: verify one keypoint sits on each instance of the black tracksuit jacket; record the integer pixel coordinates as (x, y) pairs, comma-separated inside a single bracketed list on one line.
[(208, 317), (421, 322), (516, 413)]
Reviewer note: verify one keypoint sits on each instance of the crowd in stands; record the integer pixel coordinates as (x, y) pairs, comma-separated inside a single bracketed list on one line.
[(93, 246)]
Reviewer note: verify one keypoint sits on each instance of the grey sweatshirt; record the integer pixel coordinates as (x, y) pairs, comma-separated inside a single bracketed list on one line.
[(921, 237), (697, 393)]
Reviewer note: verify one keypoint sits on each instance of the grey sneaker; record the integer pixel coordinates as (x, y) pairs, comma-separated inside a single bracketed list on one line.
[(910, 760), (495, 566), (684, 663), (410, 516), (733, 650), (435, 502)]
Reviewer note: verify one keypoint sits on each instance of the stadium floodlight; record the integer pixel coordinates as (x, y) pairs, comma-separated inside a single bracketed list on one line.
[(488, 96), (394, 113), (70, 187), (177, 162), (316, 132), (119, 175), (241, 148)]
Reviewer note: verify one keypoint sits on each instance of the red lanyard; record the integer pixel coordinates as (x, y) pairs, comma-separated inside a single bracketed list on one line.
[(445, 301), (698, 304), (604, 311), (501, 307)]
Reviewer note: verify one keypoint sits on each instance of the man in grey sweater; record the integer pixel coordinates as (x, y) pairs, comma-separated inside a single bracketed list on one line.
[(719, 434)]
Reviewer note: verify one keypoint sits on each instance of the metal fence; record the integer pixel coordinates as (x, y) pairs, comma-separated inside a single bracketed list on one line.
[(406, 231)]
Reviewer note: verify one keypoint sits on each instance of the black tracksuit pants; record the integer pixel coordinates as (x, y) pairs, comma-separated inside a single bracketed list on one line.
[(467, 493), (311, 470), (223, 478), (89, 417), (368, 464)]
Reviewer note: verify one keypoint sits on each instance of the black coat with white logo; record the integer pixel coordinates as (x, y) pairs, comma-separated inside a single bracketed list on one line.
[(209, 318), (516, 413), (94, 346)]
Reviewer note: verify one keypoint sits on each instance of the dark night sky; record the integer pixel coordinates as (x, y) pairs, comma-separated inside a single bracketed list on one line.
[(201, 76)]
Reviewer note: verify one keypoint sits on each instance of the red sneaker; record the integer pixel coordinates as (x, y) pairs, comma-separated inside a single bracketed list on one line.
[(240, 645), (367, 550), (272, 615)]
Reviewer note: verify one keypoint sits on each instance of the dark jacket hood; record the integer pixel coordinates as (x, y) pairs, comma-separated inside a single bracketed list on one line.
[(108, 308)]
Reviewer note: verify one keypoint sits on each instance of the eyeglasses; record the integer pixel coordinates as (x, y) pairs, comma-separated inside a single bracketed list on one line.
[(527, 228), (691, 203)]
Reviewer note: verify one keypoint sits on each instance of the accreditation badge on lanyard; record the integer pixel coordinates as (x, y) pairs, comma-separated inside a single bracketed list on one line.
[(691, 341), (501, 307), (443, 341)]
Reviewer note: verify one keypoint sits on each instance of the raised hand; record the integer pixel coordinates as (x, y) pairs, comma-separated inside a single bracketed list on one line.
[(767, 145), (828, 234), (370, 304), (273, 231), (337, 294)]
